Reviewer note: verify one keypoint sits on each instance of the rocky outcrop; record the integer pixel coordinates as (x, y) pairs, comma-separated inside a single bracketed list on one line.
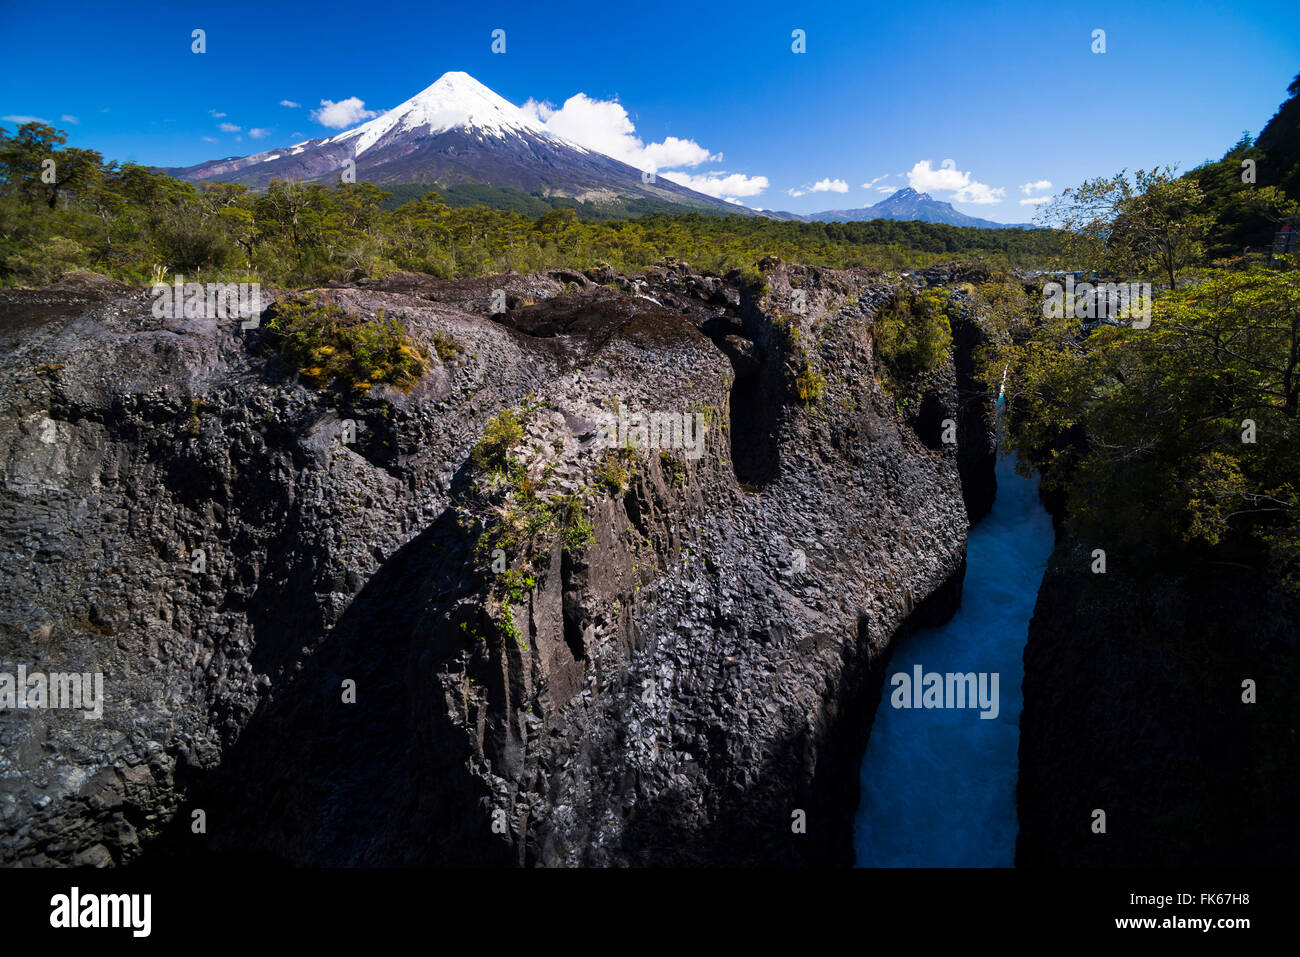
[(690, 683)]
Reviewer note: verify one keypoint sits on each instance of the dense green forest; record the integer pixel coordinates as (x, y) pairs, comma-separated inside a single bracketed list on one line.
[(1181, 437), (64, 209), (533, 205)]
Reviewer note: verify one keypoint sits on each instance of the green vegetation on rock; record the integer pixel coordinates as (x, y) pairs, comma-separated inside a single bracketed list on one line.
[(324, 343), (502, 433), (912, 332)]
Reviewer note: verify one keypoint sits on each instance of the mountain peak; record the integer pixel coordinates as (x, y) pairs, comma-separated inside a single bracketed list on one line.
[(454, 100), (457, 131), (908, 193), (908, 204), (458, 78), (457, 89)]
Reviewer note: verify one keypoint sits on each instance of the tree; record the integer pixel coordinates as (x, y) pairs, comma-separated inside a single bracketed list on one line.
[(21, 159), (1160, 223), (1086, 215), (1122, 227), (32, 165), (1185, 434)]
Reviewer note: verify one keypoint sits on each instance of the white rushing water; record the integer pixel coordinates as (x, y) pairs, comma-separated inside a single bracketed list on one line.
[(939, 784)]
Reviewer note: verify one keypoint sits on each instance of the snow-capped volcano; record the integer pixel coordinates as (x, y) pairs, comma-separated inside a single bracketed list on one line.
[(455, 131), (456, 100)]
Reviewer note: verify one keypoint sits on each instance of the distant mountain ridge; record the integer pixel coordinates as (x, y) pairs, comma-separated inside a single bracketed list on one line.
[(908, 204), (453, 132)]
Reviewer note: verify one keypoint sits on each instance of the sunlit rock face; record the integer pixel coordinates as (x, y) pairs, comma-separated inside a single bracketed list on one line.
[(335, 682)]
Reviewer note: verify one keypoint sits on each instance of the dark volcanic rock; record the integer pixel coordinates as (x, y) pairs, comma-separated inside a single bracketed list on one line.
[(1133, 706), (977, 441), (678, 689)]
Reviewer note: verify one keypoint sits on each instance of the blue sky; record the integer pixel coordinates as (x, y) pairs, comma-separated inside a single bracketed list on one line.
[(1010, 93)]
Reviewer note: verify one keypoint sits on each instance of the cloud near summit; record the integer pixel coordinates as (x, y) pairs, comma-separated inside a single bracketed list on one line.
[(604, 125), (342, 114), (924, 178), (720, 185)]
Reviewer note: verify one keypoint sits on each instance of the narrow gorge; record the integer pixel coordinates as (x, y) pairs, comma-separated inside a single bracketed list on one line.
[(310, 641), (676, 689), (939, 784)]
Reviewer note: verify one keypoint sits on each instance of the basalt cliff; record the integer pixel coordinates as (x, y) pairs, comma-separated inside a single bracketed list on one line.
[(301, 632), (1159, 715)]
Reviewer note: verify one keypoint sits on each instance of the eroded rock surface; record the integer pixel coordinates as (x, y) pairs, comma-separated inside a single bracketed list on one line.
[(680, 688)]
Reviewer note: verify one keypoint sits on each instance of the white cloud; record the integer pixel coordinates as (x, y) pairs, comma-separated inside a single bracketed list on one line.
[(980, 194), (1037, 187), (290, 103), (821, 186), (23, 119), (925, 178), (216, 115), (258, 133), (344, 113), (830, 186), (678, 152), (604, 125), (209, 139), (886, 189), (227, 127), (69, 118), (873, 182), (540, 110), (720, 184)]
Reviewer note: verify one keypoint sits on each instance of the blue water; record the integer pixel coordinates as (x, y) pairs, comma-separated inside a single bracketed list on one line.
[(939, 784)]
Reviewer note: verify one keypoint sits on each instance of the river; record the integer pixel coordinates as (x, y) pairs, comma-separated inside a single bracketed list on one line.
[(939, 784)]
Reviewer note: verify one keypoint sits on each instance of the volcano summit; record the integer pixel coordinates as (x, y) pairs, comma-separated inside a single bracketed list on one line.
[(455, 131)]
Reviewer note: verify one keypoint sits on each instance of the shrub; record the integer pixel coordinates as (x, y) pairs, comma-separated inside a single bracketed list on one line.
[(810, 383), (576, 532), (577, 535), (325, 343), (611, 471), (672, 467), (912, 332), (516, 584), (48, 262), (510, 629), (446, 346), (502, 433)]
